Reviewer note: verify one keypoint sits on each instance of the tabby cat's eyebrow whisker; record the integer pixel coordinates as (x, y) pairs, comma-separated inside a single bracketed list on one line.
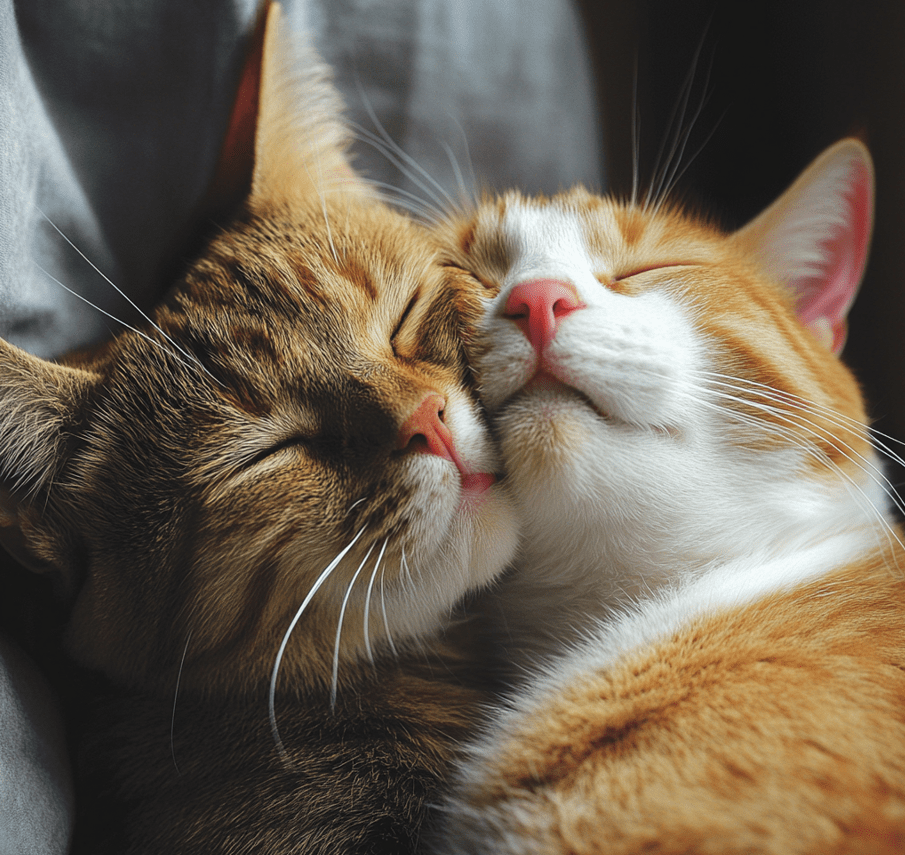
[(406, 199), (367, 612), (391, 155), (391, 146), (465, 198), (271, 700), (470, 197), (185, 650), (339, 627), (122, 293), (412, 163), (129, 327)]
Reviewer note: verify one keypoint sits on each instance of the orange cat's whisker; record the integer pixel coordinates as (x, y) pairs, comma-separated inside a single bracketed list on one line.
[(835, 419), (790, 436)]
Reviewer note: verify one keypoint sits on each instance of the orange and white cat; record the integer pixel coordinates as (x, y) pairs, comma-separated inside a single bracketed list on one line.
[(706, 622)]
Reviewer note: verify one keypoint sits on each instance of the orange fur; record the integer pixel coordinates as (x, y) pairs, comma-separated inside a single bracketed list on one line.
[(778, 728), (705, 628)]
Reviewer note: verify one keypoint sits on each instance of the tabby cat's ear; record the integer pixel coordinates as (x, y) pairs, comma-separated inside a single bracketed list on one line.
[(814, 239), (39, 403), (286, 141)]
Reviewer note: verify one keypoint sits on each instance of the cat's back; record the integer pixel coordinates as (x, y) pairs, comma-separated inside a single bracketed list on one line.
[(774, 726)]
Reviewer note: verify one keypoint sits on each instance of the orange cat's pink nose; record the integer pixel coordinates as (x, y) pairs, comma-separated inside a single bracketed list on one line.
[(424, 431), (538, 306)]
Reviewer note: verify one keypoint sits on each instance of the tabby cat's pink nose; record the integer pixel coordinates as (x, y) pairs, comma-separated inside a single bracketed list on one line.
[(538, 306), (425, 432)]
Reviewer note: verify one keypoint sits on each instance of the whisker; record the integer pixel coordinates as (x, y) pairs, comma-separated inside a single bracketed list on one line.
[(785, 397), (408, 200), (276, 666), (636, 136), (185, 650), (383, 608), (837, 444), (388, 141), (367, 613), (339, 628), (465, 198), (834, 417), (129, 327), (122, 293)]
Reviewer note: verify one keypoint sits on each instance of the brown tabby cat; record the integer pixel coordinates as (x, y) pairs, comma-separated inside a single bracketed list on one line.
[(706, 624), (267, 502)]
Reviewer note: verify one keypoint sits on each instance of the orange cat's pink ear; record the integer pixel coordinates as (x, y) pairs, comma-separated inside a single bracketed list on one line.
[(814, 239)]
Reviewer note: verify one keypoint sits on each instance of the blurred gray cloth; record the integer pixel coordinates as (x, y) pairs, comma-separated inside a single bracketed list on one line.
[(35, 790), (112, 114)]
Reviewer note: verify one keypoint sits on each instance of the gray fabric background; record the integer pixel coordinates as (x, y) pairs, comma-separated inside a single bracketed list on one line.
[(111, 118)]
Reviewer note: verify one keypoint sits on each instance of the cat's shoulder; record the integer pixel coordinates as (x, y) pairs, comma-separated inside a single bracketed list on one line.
[(768, 713)]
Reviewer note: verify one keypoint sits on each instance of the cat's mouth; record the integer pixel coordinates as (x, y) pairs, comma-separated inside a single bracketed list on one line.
[(546, 381)]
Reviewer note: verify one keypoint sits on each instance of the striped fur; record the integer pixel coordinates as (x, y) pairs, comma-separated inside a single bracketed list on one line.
[(193, 482), (708, 602)]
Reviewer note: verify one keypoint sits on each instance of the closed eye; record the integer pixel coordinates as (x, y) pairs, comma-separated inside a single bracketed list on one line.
[(638, 271), (276, 448), (402, 319)]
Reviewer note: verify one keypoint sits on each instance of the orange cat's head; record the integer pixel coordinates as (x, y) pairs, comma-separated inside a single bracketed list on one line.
[(667, 394), (298, 425)]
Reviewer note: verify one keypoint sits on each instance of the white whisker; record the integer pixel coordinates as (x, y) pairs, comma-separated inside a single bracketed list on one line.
[(276, 665), (789, 435), (383, 608), (185, 650), (123, 294), (390, 147), (129, 327), (367, 613), (836, 419), (339, 628)]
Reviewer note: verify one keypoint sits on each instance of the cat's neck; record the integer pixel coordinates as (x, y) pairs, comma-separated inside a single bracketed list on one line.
[(594, 566)]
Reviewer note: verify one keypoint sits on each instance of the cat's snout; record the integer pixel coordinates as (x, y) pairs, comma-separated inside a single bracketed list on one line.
[(538, 306)]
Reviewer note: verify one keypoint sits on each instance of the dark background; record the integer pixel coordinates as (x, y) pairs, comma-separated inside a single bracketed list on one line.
[(777, 82)]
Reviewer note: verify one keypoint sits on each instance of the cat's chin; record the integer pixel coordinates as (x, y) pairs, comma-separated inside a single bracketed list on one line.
[(555, 397)]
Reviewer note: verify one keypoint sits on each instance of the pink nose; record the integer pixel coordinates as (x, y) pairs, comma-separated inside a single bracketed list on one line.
[(538, 307), (424, 431)]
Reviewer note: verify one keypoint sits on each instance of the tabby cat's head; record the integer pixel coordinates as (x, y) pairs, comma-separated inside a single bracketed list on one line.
[(667, 393), (302, 395)]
